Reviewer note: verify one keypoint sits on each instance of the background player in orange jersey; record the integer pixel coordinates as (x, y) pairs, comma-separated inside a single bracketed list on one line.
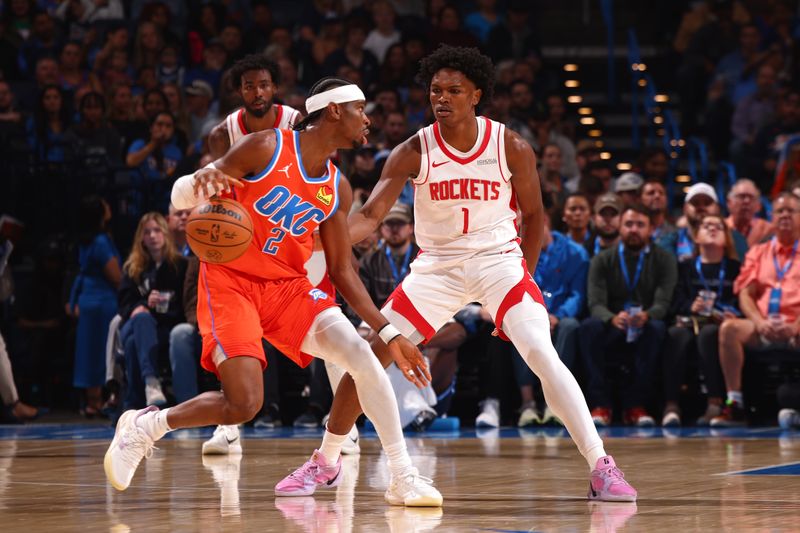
[(265, 292)]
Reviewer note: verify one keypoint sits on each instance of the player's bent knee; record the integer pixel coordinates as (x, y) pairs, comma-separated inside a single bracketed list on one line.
[(243, 408)]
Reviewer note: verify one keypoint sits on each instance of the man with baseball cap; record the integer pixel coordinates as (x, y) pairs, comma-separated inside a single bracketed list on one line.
[(629, 187), (607, 210), (203, 116), (701, 200)]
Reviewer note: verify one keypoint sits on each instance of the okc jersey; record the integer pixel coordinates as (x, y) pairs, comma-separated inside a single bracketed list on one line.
[(464, 202), (286, 206), (285, 118)]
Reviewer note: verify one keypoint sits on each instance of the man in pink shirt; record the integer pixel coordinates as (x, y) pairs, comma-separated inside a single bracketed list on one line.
[(769, 296), (744, 201)]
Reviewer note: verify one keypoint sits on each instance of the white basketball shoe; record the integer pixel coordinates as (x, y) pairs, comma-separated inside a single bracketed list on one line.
[(225, 440)]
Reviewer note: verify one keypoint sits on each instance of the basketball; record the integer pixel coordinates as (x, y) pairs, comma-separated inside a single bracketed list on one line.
[(219, 230)]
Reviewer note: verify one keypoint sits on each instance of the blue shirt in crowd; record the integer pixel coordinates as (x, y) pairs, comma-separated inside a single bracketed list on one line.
[(562, 272)]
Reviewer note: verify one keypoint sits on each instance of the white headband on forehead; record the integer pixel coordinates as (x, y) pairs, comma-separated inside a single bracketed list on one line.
[(339, 95)]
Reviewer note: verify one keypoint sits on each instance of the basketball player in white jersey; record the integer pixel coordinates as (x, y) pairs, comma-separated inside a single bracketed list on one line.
[(256, 78), (471, 175)]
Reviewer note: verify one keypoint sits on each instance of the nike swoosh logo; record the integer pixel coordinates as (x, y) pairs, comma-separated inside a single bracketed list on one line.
[(435, 164), (231, 441), (591, 488), (331, 481)]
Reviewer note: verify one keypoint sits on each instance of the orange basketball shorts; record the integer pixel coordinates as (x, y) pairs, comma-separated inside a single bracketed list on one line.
[(235, 310)]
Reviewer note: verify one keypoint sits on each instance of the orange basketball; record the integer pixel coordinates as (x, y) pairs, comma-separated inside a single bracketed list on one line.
[(219, 230)]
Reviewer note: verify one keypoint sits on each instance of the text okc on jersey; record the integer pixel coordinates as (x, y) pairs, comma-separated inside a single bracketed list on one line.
[(482, 162)]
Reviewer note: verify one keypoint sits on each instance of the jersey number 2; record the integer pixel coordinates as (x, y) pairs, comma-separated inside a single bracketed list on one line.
[(466, 219), (271, 246)]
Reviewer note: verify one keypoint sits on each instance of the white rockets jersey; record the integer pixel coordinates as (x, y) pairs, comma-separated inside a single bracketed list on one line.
[(464, 202), (285, 118)]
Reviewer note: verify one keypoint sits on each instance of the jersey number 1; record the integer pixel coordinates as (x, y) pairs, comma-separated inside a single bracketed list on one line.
[(466, 219)]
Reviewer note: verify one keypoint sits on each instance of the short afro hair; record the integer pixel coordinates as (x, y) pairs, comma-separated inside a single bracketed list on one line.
[(477, 67), (254, 62)]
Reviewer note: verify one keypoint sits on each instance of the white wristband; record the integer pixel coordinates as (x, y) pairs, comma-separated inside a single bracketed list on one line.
[(388, 333)]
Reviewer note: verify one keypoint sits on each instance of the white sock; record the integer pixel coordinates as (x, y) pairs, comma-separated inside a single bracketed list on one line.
[(331, 446), (593, 454), (736, 396), (154, 423), (152, 381), (398, 458)]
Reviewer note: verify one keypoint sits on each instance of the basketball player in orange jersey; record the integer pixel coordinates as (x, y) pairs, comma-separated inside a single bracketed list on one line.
[(265, 293), (471, 175), (255, 78)]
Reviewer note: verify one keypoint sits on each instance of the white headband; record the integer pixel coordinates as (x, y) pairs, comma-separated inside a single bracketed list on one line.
[(339, 95)]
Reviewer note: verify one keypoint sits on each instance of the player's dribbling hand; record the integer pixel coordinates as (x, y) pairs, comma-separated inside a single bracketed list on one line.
[(410, 361), (209, 182)]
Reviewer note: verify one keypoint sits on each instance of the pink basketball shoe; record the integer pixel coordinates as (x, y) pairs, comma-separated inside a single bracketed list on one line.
[(608, 483), (314, 473)]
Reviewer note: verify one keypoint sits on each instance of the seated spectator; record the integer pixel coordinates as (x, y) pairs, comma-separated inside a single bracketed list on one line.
[(744, 201), (653, 164), (654, 198), (47, 127), (768, 287), (93, 140), (737, 64), (150, 303), (11, 118), (42, 42), (93, 299), (770, 140), (354, 54), (629, 188), (553, 182), (561, 275), (577, 211), (449, 30), (557, 114), (701, 200), (202, 112), (598, 179), (751, 113), (176, 220), (483, 20), (73, 75), (629, 292), (121, 117), (210, 70), (703, 300), (169, 68), (515, 37), (385, 33), (156, 158), (607, 211), (544, 132), (184, 338)]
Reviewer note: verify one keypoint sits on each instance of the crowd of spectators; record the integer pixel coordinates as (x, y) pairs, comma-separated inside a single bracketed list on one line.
[(644, 301)]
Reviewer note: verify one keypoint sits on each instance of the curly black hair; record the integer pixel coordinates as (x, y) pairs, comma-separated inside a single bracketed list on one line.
[(477, 67), (321, 86), (254, 62)]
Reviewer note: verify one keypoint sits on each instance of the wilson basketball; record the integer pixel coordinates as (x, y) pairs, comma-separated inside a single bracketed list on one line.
[(219, 231)]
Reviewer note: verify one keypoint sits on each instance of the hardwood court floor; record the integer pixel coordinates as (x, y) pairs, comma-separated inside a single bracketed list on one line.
[(500, 482)]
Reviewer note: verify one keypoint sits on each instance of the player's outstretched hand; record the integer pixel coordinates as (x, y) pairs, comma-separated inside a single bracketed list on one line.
[(210, 181), (410, 361)]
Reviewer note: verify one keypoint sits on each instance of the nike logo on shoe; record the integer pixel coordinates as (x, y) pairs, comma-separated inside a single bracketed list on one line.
[(436, 164), (591, 488), (231, 441), (331, 481)]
